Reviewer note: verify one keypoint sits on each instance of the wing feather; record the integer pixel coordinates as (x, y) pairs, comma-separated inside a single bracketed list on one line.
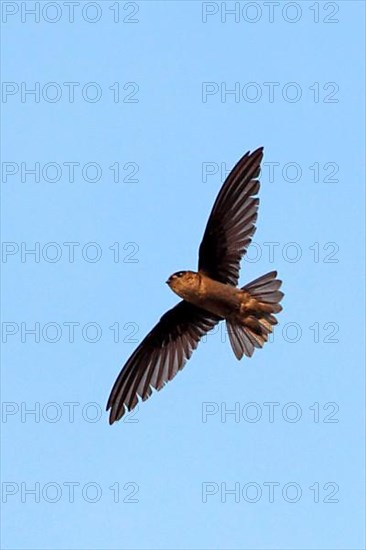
[(231, 224), (158, 358)]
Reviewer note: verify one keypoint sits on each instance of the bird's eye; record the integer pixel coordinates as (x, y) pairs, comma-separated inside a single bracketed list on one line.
[(179, 273)]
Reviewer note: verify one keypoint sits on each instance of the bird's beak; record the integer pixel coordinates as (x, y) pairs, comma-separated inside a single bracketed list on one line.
[(167, 282)]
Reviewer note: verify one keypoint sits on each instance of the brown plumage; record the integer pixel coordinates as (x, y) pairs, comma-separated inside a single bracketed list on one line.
[(209, 296)]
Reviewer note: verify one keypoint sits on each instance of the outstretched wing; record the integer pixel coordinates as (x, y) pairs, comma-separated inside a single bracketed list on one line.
[(230, 226), (162, 353)]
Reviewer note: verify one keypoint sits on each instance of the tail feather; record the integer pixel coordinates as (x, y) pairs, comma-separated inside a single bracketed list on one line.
[(256, 339), (266, 283), (240, 340), (253, 330)]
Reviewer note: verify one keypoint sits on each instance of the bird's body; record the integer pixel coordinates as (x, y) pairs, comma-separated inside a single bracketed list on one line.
[(226, 301), (209, 296), (202, 291)]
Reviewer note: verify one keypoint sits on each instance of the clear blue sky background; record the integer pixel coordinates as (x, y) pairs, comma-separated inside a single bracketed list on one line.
[(176, 456)]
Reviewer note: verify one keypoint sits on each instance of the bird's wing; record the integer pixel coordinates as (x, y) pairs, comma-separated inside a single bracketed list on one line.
[(230, 226), (162, 353)]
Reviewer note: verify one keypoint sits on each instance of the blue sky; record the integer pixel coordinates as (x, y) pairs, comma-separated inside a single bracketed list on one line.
[(138, 109)]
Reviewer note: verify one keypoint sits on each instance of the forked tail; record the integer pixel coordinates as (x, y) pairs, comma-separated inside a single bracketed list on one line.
[(252, 332)]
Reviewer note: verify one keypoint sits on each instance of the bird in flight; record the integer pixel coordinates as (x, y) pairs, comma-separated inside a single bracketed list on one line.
[(209, 295)]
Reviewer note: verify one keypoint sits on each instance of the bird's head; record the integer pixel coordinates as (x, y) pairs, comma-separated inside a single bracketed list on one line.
[(184, 282)]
